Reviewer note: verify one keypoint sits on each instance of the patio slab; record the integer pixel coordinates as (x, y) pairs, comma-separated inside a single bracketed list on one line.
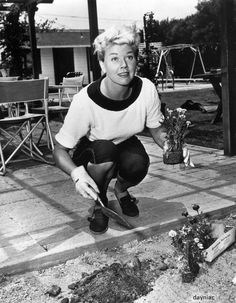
[(43, 222)]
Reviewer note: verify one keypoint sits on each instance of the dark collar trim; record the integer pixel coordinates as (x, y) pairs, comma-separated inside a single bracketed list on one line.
[(95, 94)]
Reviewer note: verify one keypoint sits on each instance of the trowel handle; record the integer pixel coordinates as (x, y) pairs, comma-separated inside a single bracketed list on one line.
[(100, 201)]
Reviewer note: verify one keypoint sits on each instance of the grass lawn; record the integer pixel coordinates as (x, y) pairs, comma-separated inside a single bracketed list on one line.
[(202, 132)]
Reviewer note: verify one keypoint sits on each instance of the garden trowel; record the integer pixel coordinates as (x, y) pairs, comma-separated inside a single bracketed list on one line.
[(113, 215)]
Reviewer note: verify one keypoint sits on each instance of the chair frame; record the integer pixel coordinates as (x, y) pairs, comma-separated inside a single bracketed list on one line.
[(54, 109), (71, 85), (75, 84), (24, 92)]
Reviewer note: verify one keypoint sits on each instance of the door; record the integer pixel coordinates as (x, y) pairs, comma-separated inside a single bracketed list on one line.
[(63, 62)]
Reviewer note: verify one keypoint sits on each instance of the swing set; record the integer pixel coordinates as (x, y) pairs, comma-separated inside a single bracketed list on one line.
[(164, 57)]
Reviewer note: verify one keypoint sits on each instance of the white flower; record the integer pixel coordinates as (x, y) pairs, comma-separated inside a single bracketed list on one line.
[(170, 111), (172, 233), (196, 240), (200, 245), (181, 110), (162, 119), (188, 123)]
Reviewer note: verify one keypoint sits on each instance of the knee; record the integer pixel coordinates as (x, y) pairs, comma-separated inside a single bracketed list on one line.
[(104, 151), (136, 169)]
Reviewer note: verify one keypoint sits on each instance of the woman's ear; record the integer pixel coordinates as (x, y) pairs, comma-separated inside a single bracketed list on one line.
[(101, 63)]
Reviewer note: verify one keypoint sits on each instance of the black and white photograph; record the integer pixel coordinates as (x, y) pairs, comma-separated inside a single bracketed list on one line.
[(117, 151)]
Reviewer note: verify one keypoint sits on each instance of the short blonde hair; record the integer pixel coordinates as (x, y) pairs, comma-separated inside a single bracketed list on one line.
[(114, 35)]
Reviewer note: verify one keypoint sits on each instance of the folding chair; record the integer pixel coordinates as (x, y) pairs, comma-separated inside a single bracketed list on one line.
[(20, 127), (71, 86), (53, 108)]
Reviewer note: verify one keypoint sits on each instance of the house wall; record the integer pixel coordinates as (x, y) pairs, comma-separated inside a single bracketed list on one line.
[(47, 64), (80, 62)]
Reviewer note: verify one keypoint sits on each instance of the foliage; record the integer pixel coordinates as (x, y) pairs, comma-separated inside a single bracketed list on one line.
[(192, 239), (48, 26), (15, 40), (144, 69), (201, 28), (206, 32), (176, 125), (206, 23), (151, 35)]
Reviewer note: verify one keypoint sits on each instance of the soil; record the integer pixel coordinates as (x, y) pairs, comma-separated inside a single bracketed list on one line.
[(140, 272)]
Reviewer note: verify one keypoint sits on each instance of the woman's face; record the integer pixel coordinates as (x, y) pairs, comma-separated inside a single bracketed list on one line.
[(119, 64)]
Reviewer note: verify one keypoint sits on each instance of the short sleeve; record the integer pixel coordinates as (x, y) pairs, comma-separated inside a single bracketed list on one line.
[(154, 114), (77, 122)]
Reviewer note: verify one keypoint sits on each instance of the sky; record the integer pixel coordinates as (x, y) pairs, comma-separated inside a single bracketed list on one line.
[(73, 14)]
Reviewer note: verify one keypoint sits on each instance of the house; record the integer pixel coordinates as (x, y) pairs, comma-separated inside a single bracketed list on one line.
[(64, 51)]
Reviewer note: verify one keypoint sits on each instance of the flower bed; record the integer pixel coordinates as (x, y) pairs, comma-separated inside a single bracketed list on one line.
[(199, 241)]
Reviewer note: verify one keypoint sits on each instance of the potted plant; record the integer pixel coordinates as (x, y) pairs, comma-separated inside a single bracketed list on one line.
[(176, 126)]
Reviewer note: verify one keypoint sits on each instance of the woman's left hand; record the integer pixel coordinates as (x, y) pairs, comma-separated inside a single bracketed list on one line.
[(187, 159)]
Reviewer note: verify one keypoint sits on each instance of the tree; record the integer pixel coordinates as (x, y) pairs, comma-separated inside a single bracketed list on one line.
[(15, 40), (48, 26), (206, 31), (201, 28), (206, 23)]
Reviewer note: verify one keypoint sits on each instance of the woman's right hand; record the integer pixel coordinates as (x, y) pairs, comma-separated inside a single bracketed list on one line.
[(84, 184)]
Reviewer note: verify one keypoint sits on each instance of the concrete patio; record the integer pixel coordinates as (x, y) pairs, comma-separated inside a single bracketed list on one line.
[(43, 222)]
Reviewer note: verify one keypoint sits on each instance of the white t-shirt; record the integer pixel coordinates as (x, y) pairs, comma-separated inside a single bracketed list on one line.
[(93, 115)]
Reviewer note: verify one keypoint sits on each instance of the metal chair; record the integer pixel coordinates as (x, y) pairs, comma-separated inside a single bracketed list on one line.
[(54, 108), (20, 128), (71, 86)]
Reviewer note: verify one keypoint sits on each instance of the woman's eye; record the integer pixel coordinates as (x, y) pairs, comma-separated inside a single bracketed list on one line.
[(131, 57), (115, 59)]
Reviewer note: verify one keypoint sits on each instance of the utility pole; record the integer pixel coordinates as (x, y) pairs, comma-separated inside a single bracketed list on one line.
[(93, 27), (145, 36), (31, 9)]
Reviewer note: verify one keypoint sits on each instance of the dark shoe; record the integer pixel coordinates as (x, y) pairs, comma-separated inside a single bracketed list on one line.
[(129, 206), (98, 221)]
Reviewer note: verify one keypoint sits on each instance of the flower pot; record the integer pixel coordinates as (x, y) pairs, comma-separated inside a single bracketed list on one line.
[(173, 157)]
